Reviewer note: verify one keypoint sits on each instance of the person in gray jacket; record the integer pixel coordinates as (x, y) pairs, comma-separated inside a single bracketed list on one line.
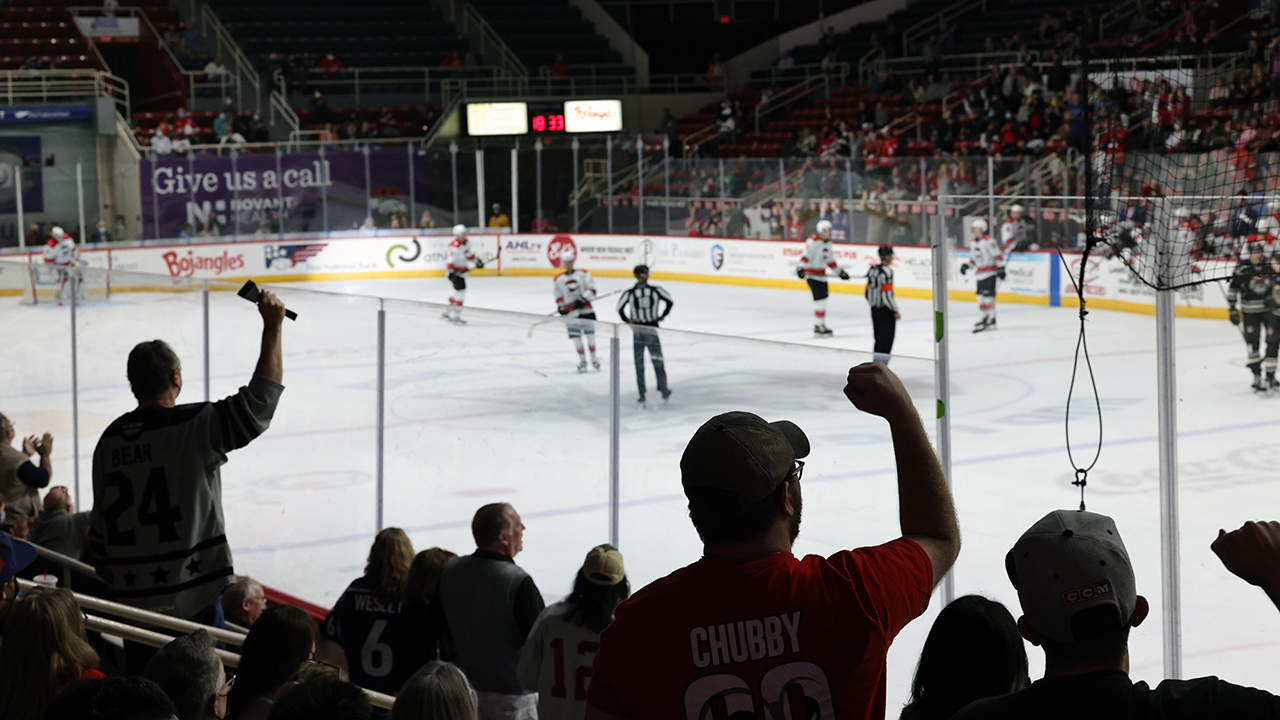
[(489, 605), (59, 527)]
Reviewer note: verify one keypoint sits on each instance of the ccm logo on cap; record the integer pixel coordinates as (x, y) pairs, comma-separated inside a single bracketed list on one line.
[(1090, 592)]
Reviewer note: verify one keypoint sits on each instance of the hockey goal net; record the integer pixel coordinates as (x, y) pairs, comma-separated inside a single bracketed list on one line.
[(50, 284)]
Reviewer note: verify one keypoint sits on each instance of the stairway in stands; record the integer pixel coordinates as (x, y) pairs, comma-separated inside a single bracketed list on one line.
[(538, 30)]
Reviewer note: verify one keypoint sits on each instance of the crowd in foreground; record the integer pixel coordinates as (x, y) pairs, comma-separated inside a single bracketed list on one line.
[(750, 630)]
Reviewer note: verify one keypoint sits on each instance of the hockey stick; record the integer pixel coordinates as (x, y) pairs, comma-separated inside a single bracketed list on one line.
[(555, 314)]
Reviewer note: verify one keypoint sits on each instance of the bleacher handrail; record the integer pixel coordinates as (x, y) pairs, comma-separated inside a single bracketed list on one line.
[(278, 104), (156, 639), (951, 12), (1123, 11), (365, 79), (959, 62), (53, 85), (472, 25), (839, 69), (141, 15), (243, 68), (867, 61), (790, 95)]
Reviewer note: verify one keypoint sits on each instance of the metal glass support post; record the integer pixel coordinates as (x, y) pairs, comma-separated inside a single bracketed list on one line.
[(1167, 383), (939, 244), (324, 192), (848, 184), (515, 186), (280, 210), (79, 199), (782, 190), (991, 192), (235, 196), (155, 201), (479, 187), (75, 386), (413, 215), (204, 298), (575, 147), (453, 166), (666, 182), (22, 228), (537, 155), (615, 423), (608, 181), (382, 387), (368, 186), (640, 180)]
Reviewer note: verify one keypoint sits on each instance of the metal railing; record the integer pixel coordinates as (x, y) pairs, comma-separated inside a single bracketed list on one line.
[(1116, 15), (976, 63), (246, 76), (791, 95), (47, 86), (804, 72), (482, 37), (135, 12), (934, 21), (277, 104), (363, 81)]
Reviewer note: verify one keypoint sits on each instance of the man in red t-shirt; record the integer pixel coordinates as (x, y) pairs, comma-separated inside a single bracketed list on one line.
[(752, 629)]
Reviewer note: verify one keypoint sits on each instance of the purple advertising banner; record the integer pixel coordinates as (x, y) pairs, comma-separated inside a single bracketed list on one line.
[(248, 194)]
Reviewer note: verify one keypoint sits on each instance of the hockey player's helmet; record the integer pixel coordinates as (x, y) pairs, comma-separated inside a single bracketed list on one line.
[(885, 251), (1255, 247), (640, 270), (567, 255), (1018, 209), (980, 224), (824, 226), (1181, 212), (459, 230), (57, 233)]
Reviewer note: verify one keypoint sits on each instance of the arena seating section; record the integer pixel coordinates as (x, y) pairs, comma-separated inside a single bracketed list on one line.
[(45, 29), (538, 30), (419, 36)]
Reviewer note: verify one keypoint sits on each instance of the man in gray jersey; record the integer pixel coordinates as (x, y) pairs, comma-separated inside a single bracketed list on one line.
[(157, 533)]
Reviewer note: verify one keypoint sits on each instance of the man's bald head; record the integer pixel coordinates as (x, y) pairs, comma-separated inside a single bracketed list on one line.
[(58, 500)]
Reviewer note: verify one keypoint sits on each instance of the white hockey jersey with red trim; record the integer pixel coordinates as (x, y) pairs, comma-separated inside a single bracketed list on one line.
[(819, 258), (1013, 232), (572, 287), (60, 252), (986, 257), (460, 256)]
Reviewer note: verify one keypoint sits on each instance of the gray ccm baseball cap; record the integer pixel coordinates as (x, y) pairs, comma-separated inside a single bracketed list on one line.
[(742, 453), (1068, 562)]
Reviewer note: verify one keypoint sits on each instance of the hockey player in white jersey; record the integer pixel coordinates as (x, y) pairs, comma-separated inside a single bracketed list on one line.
[(1015, 231), (987, 262), (817, 263), (461, 256), (575, 289), (60, 251)]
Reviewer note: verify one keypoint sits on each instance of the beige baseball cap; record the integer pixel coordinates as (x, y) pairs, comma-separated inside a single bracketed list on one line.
[(603, 566)]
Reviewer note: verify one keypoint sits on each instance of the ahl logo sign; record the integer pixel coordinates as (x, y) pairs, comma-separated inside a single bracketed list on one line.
[(717, 256), (283, 257), (557, 246)]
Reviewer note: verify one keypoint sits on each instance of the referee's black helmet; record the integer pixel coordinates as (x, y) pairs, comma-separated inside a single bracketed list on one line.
[(885, 251), (640, 270)]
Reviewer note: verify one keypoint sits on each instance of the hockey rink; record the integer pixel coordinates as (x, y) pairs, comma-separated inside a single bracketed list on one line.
[(492, 412)]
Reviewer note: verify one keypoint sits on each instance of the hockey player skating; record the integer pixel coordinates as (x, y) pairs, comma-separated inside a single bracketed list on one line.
[(461, 256), (987, 262), (884, 309), (817, 263), (574, 292), (60, 251), (643, 307), (1252, 287), (1014, 231)]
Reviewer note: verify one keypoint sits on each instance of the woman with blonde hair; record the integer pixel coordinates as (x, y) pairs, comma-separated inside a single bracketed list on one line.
[(359, 620), (439, 691), (44, 650)]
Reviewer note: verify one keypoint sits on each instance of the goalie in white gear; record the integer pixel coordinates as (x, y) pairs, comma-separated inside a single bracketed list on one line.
[(987, 262), (461, 256), (60, 251), (817, 263), (575, 289)]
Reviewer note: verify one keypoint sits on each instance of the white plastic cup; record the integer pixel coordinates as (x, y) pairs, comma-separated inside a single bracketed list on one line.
[(46, 580)]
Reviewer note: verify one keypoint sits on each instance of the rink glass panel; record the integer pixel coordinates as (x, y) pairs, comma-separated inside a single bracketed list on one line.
[(849, 483), (486, 413)]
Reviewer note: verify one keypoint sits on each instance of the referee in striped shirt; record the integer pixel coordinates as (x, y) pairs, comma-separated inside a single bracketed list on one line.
[(884, 310), (643, 307)]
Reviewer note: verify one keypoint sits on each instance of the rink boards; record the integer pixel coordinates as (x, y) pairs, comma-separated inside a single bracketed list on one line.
[(1045, 278)]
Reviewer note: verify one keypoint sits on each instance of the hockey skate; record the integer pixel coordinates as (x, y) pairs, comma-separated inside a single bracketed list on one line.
[(984, 324), (1258, 385), (1272, 383), (821, 330), (640, 403), (666, 394), (595, 363), (582, 366)]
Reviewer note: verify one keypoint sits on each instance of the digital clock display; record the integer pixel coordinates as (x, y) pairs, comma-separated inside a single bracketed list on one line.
[(520, 118), (547, 123)]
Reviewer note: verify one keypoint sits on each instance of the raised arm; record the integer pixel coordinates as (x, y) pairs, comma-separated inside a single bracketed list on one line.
[(1252, 553), (925, 510), (270, 359)]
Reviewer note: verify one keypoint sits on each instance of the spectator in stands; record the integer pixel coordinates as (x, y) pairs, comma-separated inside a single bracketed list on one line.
[(1057, 77), (101, 234), (489, 605), (209, 228), (829, 63), (670, 127), (499, 218), (58, 527), (231, 138), (576, 622), (112, 698), (541, 223), (741, 475), (558, 68), (280, 643), (184, 124), (244, 601), (426, 222), (192, 675), (44, 650), (717, 71), (931, 54), (216, 70), (785, 61), (889, 83), (30, 64), (20, 477), (973, 651), (322, 698), (452, 62), (181, 566), (387, 127), (15, 556), (421, 645), (369, 605), (161, 143), (330, 65), (439, 691), (1049, 25), (1086, 642)]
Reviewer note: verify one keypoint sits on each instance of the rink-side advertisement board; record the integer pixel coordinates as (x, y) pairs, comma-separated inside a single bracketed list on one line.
[(1040, 277)]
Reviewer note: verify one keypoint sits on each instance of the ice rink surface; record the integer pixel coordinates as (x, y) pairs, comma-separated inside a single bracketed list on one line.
[(491, 412)]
